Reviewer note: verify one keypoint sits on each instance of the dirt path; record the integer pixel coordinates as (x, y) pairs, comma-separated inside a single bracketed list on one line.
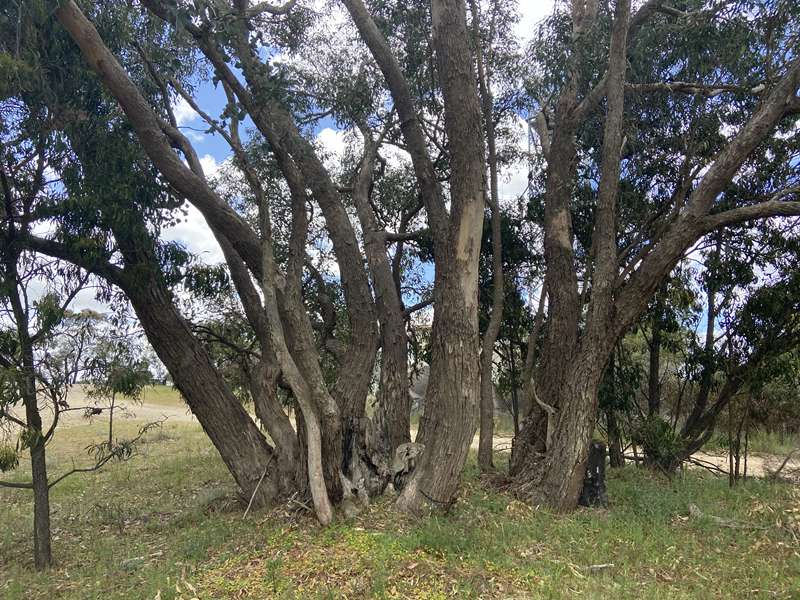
[(758, 465)]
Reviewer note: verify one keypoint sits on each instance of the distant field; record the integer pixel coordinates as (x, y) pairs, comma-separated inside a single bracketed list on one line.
[(167, 524), (162, 395)]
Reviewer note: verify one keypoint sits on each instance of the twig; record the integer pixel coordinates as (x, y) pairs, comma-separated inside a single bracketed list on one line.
[(777, 473), (255, 490)]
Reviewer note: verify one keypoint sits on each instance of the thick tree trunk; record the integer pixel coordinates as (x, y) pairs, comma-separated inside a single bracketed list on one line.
[(451, 405), (454, 390), (556, 477), (236, 437)]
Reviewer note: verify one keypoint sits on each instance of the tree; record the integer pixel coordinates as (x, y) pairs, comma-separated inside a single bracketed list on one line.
[(615, 213), (116, 369), (583, 328)]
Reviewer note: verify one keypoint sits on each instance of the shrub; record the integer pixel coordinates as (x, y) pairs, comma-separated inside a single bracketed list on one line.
[(660, 443), (9, 459)]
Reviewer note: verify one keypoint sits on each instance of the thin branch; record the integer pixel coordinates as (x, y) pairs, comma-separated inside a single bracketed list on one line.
[(684, 87), (263, 7), (19, 486), (418, 306)]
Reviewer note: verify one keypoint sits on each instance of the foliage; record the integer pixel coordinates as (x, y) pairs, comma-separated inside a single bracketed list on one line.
[(659, 442), (9, 458)]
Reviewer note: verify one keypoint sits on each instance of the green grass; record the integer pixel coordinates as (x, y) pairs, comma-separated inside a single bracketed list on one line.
[(761, 442), (173, 508), (162, 395)]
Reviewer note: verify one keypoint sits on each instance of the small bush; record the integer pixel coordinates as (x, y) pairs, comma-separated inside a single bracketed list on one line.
[(660, 444), (9, 459)]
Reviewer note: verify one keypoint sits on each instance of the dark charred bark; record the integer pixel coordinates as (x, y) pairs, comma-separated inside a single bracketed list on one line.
[(594, 483)]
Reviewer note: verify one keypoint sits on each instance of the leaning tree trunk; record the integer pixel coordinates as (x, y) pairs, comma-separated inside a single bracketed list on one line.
[(236, 437)]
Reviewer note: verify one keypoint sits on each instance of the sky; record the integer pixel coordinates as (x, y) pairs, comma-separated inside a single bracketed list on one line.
[(192, 230)]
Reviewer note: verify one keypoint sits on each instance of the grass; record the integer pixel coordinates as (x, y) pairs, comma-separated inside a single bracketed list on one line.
[(761, 442), (162, 395), (167, 525)]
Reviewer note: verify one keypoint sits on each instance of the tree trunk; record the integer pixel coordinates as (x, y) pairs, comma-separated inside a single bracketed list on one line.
[(111, 420), (614, 436), (42, 552), (556, 478), (654, 373), (574, 360), (234, 434), (616, 457), (451, 400), (485, 443), (263, 387), (390, 426)]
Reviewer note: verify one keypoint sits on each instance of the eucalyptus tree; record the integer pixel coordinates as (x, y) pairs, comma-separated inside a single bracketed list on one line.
[(107, 219), (617, 216), (45, 348), (751, 322), (643, 78)]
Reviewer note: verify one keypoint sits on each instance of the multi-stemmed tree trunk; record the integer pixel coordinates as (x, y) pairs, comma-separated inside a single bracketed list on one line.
[(453, 393), (549, 454), (343, 419), (575, 356)]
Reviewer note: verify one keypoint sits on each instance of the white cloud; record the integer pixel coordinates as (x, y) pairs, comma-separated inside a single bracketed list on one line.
[(183, 112), (210, 165), (514, 178), (531, 12), (193, 232), (333, 143)]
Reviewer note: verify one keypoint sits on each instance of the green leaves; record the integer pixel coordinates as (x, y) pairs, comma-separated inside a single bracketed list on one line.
[(9, 458)]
